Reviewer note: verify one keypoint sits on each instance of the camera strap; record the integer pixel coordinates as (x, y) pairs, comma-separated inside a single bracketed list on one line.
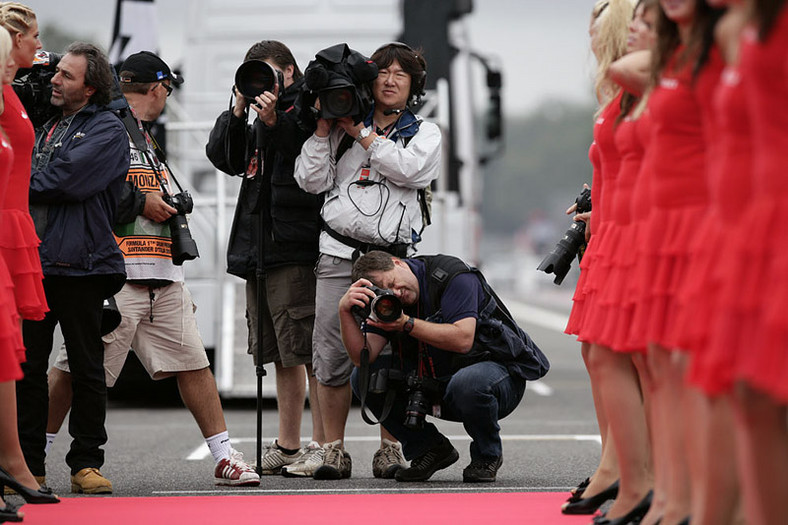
[(363, 386)]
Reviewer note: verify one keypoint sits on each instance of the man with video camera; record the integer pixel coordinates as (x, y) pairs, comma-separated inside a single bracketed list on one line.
[(457, 355), (372, 167), (80, 159), (275, 231), (157, 312)]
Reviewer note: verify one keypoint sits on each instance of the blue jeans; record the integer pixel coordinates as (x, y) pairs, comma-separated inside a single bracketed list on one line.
[(476, 396)]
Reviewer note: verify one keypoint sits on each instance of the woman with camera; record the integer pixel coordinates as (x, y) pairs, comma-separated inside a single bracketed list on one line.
[(371, 187), (18, 244)]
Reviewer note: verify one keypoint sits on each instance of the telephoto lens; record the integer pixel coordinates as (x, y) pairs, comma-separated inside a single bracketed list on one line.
[(571, 245), (254, 77)]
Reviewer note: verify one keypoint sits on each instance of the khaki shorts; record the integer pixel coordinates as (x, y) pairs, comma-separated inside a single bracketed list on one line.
[(169, 344), (332, 365), (288, 315)]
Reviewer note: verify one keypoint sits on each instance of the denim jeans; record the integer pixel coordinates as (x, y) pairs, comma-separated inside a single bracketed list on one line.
[(476, 396)]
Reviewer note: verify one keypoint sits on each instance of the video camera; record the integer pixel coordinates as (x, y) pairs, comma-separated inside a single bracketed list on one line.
[(385, 307), (254, 77), (184, 248), (34, 89), (572, 244), (341, 79)]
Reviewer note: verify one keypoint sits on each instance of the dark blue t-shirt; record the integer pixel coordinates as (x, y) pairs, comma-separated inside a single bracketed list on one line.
[(462, 298)]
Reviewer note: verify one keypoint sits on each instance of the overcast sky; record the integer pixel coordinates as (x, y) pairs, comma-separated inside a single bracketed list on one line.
[(542, 45)]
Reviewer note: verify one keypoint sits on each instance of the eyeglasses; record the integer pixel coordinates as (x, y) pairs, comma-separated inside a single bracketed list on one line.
[(167, 87)]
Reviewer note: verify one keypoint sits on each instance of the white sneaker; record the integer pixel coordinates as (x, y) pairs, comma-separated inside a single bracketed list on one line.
[(310, 460), (274, 459)]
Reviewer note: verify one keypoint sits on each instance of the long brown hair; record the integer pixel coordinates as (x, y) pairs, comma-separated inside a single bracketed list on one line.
[(629, 101), (765, 13), (698, 47)]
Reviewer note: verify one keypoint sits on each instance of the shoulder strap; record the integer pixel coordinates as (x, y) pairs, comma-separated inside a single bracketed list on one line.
[(441, 269)]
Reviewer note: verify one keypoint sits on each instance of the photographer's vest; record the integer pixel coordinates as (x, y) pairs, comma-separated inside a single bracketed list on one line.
[(146, 244), (498, 338)]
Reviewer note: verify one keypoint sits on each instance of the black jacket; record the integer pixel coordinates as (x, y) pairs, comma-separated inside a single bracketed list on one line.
[(74, 197), (290, 216)]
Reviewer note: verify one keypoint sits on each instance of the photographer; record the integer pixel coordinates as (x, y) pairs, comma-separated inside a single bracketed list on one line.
[(463, 356), (156, 307), (371, 186), (80, 159), (263, 155)]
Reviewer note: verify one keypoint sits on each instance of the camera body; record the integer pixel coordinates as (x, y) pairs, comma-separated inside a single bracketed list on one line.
[(34, 89), (183, 247), (341, 79), (572, 244), (423, 393), (254, 77), (385, 307)]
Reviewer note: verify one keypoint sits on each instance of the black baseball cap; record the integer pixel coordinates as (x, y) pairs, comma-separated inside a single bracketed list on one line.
[(147, 67)]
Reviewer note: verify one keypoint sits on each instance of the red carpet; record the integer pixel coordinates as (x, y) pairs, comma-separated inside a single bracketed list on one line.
[(378, 509)]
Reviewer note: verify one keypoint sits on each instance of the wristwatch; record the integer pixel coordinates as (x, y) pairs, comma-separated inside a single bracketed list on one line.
[(364, 133), (408, 326)]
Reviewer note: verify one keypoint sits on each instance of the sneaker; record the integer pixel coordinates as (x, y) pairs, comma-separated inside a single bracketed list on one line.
[(307, 464), (274, 459), (388, 460), (424, 466), (235, 472), (481, 470), (90, 481), (336, 463)]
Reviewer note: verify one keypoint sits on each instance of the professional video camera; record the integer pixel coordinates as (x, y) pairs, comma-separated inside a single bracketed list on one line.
[(341, 79), (384, 307), (183, 246), (32, 86), (559, 260), (253, 77), (423, 393)]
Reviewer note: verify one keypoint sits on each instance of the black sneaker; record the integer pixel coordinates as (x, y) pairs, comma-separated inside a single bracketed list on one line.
[(482, 470), (424, 466)]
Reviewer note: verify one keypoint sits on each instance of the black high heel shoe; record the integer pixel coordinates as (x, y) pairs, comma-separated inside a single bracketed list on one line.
[(577, 492), (9, 513), (42, 495), (633, 516), (590, 505)]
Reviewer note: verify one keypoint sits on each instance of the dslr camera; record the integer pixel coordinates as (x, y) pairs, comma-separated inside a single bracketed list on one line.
[(385, 307), (254, 77), (341, 79), (183, 246), (572, 244), (423, 393), (34, 89)]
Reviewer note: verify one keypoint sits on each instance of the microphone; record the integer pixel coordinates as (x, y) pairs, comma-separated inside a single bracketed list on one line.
[(388, 112)]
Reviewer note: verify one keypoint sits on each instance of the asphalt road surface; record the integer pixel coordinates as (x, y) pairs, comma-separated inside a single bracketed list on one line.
[(550, 442)]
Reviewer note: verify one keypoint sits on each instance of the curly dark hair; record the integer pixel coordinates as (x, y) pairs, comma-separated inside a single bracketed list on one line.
[(98, 73)]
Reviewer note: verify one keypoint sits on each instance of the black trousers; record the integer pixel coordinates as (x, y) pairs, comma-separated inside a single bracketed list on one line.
[(75, 303)]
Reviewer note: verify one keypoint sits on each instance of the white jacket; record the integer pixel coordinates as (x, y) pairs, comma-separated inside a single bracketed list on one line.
[(380, 214)]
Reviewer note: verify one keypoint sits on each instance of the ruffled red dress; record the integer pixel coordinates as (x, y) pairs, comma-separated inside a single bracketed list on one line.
[(18, 239), (756, 290), (12, 351), (679, 192), (592, 275)]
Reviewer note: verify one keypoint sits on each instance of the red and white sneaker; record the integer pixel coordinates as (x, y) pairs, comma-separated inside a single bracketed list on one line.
[(235, 472)]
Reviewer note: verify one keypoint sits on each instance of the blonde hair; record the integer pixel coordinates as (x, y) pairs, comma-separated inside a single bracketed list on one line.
[(5, 45), (16, 17), (611, 18)]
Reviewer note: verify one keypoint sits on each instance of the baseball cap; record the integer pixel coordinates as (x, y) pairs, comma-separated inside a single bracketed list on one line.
[(147, 67)]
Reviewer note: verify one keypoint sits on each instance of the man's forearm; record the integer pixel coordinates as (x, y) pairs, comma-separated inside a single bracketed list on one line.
[(452, 337)]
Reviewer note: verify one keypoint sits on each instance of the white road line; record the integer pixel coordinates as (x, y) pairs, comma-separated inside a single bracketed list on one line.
[(538, 316), (202, 452), (540, 388), (421, 490)]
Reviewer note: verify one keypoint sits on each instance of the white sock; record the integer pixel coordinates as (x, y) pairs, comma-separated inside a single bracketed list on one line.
[(50, 440), (219, 446)]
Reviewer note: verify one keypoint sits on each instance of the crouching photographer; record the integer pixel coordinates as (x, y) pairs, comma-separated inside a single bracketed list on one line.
[(457, 354)]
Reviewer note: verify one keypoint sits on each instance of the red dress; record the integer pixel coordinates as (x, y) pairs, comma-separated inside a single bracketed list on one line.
[(757, 289), (12, 351), (679, 191), (592, 271), (18, 239)]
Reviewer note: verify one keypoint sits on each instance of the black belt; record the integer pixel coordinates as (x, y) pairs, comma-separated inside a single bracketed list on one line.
[(396, 249)]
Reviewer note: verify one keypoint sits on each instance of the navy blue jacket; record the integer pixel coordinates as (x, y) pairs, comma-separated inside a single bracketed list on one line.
[(74, 197)]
